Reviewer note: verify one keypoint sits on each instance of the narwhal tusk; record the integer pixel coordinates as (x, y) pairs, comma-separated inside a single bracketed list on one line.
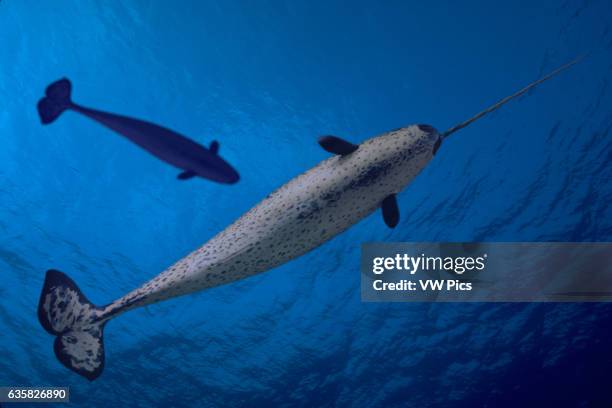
[(509, 98)]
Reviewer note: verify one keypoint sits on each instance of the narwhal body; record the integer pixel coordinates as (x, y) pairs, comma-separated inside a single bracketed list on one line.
[(298, 217), (301, 215)]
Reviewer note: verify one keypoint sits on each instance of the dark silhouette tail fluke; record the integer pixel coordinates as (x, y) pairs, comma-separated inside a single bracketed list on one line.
[(55, 101), (66, 313)]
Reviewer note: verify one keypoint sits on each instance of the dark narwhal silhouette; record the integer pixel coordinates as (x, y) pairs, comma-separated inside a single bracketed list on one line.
[(167, 145)]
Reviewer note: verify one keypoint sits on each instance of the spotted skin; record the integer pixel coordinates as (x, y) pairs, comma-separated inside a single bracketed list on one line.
[(298, 217)]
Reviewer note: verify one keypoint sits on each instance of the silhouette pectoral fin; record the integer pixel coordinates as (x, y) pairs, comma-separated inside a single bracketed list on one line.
[(390, 211), (214, 147), (186, 175), (337, 145)]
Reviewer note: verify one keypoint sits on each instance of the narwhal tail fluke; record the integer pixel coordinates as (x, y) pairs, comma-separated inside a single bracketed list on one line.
[(55, 101), (66, 313), (509, 98)]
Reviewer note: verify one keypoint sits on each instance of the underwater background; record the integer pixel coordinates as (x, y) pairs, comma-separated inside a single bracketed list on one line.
[(265, 78)]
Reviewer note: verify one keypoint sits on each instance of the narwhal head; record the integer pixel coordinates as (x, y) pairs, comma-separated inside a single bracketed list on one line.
[(431, 134), (393, 159), (415, 146), (407, 142)]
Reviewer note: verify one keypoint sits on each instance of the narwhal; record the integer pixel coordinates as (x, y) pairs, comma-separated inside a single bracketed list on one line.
[(296, 218), (190, 157)]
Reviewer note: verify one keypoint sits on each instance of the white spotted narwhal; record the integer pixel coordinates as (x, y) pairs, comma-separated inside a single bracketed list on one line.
[(298, 217)]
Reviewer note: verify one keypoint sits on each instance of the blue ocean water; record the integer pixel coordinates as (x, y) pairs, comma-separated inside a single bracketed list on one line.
[(265, 79)]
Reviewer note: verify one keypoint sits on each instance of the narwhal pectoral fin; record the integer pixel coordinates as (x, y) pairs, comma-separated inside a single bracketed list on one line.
[(214, 147), (390, 211), (186, 175), (337, 145)]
